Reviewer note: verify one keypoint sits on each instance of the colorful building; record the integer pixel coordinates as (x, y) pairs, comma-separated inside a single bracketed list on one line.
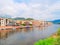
[(23, 21)]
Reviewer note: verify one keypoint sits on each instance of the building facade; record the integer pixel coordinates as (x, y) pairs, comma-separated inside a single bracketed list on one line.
[(4, 21)]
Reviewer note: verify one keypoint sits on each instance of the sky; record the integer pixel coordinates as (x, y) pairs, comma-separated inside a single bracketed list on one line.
[(37, 9)]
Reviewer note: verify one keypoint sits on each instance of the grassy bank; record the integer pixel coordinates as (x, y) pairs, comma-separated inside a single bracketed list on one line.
[(53, 40)]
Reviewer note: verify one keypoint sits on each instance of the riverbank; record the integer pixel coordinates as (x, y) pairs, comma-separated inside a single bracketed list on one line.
[(11, 27), (52, 40)]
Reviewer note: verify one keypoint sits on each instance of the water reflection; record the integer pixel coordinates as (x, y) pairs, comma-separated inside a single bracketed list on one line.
[(5, 35), (27, 36)]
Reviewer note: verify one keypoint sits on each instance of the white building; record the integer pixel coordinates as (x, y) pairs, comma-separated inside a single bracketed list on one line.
[(4, 21)]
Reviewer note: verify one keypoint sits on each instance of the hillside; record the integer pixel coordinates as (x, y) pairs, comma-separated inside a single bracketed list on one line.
[(19, 18), (56, 21)]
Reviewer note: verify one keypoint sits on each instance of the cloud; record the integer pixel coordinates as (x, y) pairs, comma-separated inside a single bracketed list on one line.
[(10, 8), (37, 9)]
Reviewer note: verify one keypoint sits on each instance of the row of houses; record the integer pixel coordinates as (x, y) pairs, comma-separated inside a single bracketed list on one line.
[(6, 22), (34, 22), (10, 22)]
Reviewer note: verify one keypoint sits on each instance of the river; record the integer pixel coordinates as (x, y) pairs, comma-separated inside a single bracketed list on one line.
[(29, 35)]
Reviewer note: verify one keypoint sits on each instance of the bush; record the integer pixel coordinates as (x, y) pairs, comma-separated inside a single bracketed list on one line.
[(58, 32), (30, 24), (58, 37), (23, 24)]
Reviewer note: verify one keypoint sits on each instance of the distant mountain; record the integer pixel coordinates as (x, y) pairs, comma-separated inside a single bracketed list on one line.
[(19, 18), (56, 21), (5, 16)]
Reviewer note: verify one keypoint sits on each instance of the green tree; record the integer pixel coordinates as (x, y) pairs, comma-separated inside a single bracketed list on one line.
[(29, 19)]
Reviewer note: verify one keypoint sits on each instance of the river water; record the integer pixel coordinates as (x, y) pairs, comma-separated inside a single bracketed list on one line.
[(29, 35)]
